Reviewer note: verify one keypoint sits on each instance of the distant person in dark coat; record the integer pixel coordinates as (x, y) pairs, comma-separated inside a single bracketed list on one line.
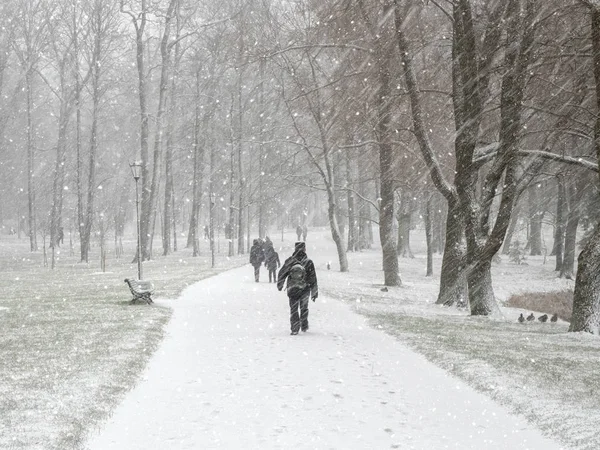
[(272, 262), (299, 271), (257, 257), (304, 232), (299, 232)]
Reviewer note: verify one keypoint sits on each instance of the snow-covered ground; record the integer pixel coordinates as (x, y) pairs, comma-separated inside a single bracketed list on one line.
[(228, 375)]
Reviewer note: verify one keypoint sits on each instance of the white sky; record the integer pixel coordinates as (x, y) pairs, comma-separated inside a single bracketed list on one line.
[(229, 375)]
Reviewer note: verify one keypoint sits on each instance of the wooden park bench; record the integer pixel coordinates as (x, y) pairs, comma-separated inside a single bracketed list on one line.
[(142, 290)]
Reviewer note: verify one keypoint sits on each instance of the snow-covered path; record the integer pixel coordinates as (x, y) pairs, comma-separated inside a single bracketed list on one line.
[(229, 375)]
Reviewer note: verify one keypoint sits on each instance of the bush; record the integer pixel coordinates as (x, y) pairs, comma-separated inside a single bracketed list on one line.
[(560, 302)]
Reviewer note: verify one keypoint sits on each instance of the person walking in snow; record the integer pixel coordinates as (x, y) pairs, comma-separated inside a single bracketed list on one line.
[(299, 271), (299, 232), (257, 257), (272, 262)]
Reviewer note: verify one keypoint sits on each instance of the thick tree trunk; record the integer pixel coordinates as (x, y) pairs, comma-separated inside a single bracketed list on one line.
[(386, 153), (481, 293), (586, 299), (453, 282)]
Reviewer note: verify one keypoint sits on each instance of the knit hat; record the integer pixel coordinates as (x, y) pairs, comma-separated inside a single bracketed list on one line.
[(299, 247)]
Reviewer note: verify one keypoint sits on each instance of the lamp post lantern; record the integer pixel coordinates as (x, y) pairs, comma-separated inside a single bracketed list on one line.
[(136, 171)]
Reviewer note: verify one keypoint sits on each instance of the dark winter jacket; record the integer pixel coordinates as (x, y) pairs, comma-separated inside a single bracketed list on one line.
[(257, 255), (311, 275), (272, 259)]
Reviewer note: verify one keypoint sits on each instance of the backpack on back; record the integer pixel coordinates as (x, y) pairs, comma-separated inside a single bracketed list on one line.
[(296, 280)]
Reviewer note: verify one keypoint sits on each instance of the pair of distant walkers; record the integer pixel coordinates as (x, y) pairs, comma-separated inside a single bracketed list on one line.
[(264, 252), (301, 232)]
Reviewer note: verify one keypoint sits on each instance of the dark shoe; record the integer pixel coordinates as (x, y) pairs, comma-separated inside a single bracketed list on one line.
[(294, 333), (305, 329)]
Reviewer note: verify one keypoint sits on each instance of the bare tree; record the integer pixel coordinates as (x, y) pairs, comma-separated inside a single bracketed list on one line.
[(33, 29)]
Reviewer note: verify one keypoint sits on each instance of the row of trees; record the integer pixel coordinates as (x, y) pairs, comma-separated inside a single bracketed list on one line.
[(243, 110)]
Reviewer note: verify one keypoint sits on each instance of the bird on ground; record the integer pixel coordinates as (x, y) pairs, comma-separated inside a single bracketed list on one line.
[(554, 317), (521, 318), (543, 318), (530, 317)]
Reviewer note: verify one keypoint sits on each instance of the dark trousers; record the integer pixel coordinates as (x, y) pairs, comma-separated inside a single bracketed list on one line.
[(299, 303), (256, 272), (273, 274)]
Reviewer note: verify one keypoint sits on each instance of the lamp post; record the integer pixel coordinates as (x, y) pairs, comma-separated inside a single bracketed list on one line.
[(136, 171)]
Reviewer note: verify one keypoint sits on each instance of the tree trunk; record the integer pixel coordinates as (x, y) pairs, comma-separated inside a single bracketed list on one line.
[(453, 282), (335, 232), (231, 216), (514, 220), (193, 230), (85, 226), (352, 241), (586, 299), (535, 223), (168, 213), (428, 237), (481, 294), (262, 213), (574, 194), (404, 219), (559, 230), (83, 242), (438, 214), (91, 193), (386, 152), (145, 204), (59, 176), (165, 68), (30, 165)]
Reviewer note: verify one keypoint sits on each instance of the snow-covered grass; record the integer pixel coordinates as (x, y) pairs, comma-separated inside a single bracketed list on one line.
[(71, 344), (536, 369)]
